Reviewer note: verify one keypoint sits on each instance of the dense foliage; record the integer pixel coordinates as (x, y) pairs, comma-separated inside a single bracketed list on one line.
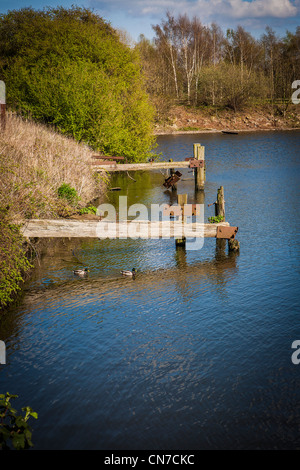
[(13, 260), (69, 68), (15, 432)]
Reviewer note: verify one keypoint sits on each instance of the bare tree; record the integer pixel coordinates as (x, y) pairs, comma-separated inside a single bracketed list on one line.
[(166, 42)]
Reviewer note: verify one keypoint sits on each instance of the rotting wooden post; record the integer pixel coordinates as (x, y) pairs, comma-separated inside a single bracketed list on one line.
[(171, 172), (220, 204), (199, 154), (220, 211), (182, 200), (233, 244), (2, 105)]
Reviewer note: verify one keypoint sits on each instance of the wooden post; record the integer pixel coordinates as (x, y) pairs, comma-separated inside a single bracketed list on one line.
[(199, 154), (182, 199), (171, 172), (233, 244), (220, 204), (220, 211)]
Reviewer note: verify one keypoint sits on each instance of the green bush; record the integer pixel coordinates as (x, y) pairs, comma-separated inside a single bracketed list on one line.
[(216, 219), (67, 192), (14, 428), (88, 210), (13, 260), (70, 69)]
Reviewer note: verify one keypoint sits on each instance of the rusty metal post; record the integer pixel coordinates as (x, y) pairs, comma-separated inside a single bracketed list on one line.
[(2, 105)]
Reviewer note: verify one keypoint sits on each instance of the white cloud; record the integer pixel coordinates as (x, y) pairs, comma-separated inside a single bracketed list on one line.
[(137, 16), (263, 8), (203, 8)]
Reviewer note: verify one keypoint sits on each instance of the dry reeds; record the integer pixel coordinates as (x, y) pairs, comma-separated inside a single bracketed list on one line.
[(34, 162)]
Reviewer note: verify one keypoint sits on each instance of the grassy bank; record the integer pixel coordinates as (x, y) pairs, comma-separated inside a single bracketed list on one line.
[(43, 175)]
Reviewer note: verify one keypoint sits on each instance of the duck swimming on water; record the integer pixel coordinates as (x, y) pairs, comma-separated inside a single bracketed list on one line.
[(81, 272), (129, 273)]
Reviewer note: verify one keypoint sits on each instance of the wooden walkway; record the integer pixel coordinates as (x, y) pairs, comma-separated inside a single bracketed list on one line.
[(113, 166), (68, 228)]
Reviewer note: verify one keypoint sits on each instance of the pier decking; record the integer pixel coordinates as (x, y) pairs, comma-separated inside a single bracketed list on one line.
[(49, 228), (113, 166)]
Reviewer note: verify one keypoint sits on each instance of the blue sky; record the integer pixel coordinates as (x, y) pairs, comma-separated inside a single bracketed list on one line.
[(136, 16)]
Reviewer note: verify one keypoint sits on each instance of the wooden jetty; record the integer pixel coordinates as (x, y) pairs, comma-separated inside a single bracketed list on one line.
[(197, 163), (181, 229), (145, 229), (177, 223)]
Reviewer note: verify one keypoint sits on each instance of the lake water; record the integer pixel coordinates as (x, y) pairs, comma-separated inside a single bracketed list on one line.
[(195, 353)]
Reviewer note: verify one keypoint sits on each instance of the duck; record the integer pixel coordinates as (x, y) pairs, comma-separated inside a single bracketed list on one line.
[(81, 272), (129, 273)]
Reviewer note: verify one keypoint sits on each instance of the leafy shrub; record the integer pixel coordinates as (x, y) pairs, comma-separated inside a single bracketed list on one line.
[(69, 68), (67, 192), (14, 428), (216, 219), (13, 260), (88, 210)]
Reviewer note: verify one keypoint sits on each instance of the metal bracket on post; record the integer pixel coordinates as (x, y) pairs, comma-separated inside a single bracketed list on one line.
[(199, 172), (226, 232), (195, 163)]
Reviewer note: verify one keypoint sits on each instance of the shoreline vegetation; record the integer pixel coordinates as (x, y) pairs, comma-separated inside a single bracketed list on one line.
[(43, 174)]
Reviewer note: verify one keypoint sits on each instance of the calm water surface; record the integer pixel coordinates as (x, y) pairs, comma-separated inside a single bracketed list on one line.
[(195, 353)]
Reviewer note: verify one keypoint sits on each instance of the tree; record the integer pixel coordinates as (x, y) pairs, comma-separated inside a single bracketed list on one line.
[(166, 43), (157, 76), (69, 68)]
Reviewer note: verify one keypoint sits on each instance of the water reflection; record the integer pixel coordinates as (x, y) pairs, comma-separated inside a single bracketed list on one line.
[(185, 276)]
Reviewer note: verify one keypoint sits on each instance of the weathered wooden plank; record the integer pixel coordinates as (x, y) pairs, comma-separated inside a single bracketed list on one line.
[(140, 166), (128, 229), (105, 157), (107, 165)]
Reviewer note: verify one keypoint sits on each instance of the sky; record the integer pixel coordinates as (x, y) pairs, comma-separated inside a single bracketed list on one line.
[(137, 16)]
